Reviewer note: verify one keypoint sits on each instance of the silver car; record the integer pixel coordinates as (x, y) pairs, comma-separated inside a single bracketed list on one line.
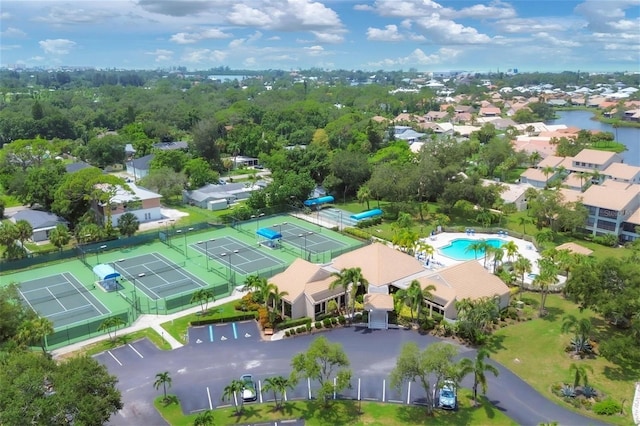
[(448, 396), (249, 392)]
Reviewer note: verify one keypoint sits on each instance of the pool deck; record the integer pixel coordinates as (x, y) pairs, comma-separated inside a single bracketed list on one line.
[(525, 248)]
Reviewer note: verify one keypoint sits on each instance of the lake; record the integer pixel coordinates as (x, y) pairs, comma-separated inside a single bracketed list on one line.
[(629, 136)]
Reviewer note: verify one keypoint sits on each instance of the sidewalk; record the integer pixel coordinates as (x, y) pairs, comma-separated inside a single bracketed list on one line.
[(148, 321)]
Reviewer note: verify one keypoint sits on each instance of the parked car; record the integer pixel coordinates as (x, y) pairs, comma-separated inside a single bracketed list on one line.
[(249, 392), (258, 166), (448, 396)]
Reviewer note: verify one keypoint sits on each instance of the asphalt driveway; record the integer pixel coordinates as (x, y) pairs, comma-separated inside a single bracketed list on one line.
[(202, 368)]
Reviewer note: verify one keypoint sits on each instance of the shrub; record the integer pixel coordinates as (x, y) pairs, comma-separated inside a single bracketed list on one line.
[(294, 323), (607, 407), (263, 318), (586, 403), (568, 391), (342, 320), (292, 331), (358, 233), (326, 322), (301, 329), (318, 325), (307, 327), (357, 317), (334, 321), (287, 333), (589, 392)]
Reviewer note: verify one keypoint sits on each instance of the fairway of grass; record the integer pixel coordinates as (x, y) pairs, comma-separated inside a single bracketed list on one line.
[(535, 351), (178, 327), (315, 413)]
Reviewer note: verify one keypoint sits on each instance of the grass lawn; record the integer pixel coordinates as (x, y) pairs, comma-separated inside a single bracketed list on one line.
[(535, 351), (109, 344), (346, 413), (178, 327)]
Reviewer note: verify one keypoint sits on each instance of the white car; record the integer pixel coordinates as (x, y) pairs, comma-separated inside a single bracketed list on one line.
[(249, 392), (448, 397)]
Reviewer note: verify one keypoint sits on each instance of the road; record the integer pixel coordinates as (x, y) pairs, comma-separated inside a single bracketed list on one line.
[(217, 354)]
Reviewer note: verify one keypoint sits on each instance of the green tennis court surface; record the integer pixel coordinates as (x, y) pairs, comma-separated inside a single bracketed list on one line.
[(62, 299), (234, 254), (307, 241), (156, 276)]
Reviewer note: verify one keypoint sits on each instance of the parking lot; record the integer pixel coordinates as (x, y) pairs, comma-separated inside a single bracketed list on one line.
[(223, 333)]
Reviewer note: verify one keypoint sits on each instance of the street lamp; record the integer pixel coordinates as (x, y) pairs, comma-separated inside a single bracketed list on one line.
[(206, 250), (253, 216), (102, 247), (280, 227), (305, 235)]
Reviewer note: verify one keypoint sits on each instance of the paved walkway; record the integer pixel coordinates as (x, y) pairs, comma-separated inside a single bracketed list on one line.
[(148, 321)]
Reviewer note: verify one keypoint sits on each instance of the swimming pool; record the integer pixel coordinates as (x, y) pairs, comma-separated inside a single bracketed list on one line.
[(457, 249)]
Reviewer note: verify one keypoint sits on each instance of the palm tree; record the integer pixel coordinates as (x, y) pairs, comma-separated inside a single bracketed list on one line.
[(522, 221), (205, 418), (548, 275), (35, 330), (581, 328), (425, 248), (596, 176), (415, 297), (522, 266), (497, 253), (276, 296), (231, 391), (428, 295), (202, 296), (341, 280), (364, 195), (357, 281), (546, 171), (534, 158), (478, 367), (162, 379), (25, 230), (111, 323), (511, 250), (475, 247), (579, 372), (277, 385)]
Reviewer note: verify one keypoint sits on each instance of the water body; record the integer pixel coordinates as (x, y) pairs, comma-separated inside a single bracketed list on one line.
[(629, 136)]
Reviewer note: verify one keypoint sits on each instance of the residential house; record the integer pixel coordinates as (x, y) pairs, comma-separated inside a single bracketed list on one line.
[(139, 167), (537, 177), (387, 270), (41, 222), (490, 111), (512, 193), (406, 133), (231, 192), (171, 146), (611, 205), (77, 166), (621, 172), (589, 160), (436, 115), (141, 202)]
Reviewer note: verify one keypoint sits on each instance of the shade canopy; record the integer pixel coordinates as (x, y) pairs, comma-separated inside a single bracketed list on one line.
[(367, 214), (320, 200), (269, 234), (105, 272)]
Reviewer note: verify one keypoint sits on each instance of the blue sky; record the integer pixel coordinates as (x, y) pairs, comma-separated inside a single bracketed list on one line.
[(531, 35)]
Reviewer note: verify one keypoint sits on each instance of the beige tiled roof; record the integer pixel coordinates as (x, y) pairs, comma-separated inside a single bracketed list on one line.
[(380, 264), (300, 275), (550, 161), (608, 197), (594, 156), (634, 218), (469, 280), (378, 301), (443, 294), (616, 184), (536, 174), (570, 195), (621, 171), (575, 248), (574, 180)]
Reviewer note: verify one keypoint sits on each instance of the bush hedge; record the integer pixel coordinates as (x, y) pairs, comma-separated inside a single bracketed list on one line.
[(294, 323), (232, 318), (607, 407)]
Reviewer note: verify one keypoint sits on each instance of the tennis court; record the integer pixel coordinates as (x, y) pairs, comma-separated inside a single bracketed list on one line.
[(310, 241), (62, 299), (157, 276), (236, 255)]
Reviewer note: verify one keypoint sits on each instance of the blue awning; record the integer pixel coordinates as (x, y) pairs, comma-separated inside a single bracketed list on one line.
[(105, 272), (269, 234), (367, 214), (320, 200)]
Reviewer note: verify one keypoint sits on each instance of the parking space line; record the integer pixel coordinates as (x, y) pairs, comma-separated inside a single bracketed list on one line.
[(260, 390), (235, 330), (114, 357), (211, 333), (309, 387), (134, 349), (209, 397), (409, 393), (285, 395), (384, 386), (358, 388), (335, 381)]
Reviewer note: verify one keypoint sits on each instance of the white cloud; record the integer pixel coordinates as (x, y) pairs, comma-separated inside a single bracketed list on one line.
[(188, 38), (13, 33), (528, 25), (604, 16), (555, 41), (328, 37), (285, 15), (59, 46), (199, 56), (315, 51), (161, 55), (419, 57), (406, 8), (496, 10), (5, 15), (389, 33), (445, 31), (5, 46), (176, 8), (69, 15)]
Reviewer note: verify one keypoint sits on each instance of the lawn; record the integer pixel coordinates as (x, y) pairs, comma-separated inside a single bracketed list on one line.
[(178, 327), (535, 351), (346, 413)]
